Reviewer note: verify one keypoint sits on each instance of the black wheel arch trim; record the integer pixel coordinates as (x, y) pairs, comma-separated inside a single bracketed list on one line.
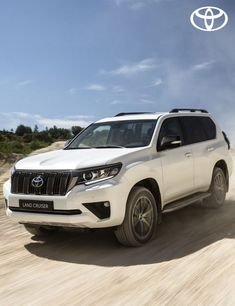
[(152, 185), (223, 165)]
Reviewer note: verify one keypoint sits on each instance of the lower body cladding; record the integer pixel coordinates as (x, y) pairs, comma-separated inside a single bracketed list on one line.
[(94, 206)]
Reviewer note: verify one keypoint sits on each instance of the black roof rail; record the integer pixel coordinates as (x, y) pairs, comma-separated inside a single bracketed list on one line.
[(136, 113), (192, 110)]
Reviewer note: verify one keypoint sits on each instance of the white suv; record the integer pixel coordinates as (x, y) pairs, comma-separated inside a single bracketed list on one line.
[(123, 172)]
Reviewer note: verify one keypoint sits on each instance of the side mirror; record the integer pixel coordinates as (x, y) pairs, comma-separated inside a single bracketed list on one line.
[(170, 142)]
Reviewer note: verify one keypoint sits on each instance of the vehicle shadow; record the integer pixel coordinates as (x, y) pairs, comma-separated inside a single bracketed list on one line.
[(181, 233)]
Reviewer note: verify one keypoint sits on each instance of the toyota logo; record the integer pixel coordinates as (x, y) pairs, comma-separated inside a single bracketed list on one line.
[(37, 182), (209, 18)]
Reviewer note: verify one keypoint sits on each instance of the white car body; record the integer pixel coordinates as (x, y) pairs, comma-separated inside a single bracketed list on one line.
[(180, 172)]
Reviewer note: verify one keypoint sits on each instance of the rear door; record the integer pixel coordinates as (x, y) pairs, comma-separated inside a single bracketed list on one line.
[(177, 163), (200, 135)]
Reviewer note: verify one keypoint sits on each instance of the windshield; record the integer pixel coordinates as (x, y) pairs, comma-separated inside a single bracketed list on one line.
[(115, 134)]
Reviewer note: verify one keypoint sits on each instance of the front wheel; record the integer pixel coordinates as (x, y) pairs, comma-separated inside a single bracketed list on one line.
[(218, 189), (140, 220)]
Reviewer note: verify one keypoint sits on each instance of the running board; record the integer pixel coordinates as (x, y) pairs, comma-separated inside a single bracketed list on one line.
[(185, 202)]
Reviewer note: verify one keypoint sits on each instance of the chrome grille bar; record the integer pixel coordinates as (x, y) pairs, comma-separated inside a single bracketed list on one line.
[(54, 183)]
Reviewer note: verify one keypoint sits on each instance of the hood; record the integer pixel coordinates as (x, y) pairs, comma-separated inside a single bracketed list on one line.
[(74, 159)]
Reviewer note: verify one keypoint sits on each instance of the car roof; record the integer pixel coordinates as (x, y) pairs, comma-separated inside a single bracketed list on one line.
[(151, 116), (143, 116)]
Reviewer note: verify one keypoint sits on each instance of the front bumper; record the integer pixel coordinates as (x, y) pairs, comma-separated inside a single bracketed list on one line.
[(113, 191)]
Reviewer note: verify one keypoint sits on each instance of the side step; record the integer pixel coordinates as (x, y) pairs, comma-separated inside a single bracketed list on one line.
[(185, 202)]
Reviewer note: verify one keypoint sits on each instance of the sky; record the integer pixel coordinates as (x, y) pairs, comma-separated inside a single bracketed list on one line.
[(71, 62)]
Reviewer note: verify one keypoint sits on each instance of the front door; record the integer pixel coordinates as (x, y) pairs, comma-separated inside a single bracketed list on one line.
[(177, 163)]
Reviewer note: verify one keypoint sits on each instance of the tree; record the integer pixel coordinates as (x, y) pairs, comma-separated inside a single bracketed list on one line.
[(27, 138), (76, 129), (59, 133), (21, 130), (43, 136), (35, 129)]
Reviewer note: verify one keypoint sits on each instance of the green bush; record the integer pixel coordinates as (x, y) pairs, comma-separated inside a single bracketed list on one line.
[(22, 130), (27, 138), (35, 145), (24, 140)]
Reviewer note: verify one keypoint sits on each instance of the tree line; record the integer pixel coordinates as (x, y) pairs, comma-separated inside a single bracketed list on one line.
[(25, 139)]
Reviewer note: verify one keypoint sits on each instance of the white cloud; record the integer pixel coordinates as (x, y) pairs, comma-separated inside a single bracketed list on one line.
[(62, 122), (73, 91), (156, 83), (12, 120), (115, 102), (147, 101), (117, 89), (78, 117), (21, 114), (24, 83), (136, 4), (134, 68), (202, 66), (95, 87), (90, 87), (15, 84), (118, 2)]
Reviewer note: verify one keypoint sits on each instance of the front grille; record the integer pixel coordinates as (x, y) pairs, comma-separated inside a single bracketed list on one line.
[(54, 183)]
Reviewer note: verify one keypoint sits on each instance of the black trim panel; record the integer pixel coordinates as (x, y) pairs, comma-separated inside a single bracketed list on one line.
[(54, 212)]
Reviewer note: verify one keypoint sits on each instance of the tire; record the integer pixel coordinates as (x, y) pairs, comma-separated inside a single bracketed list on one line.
[(217, 189), (38, 230), (140, 220)]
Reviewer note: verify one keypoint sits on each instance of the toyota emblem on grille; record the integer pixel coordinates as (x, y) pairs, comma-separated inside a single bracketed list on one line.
[(209, 18), (37, 182)]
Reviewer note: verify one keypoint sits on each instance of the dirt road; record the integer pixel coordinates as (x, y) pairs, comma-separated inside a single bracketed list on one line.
[(191, 262)]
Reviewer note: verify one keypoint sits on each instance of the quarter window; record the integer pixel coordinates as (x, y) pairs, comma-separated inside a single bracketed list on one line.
[(209, 127), (197, 129)]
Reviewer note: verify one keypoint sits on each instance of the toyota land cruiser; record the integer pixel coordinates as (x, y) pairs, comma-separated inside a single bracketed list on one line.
[(123, 172)]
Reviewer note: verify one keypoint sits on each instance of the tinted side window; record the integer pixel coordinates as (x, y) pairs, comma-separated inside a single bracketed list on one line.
[(170, 127), (197, 129), (209, 127)]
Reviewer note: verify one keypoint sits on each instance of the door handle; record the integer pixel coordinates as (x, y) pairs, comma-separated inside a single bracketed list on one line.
[(210, 149), (188, 154)]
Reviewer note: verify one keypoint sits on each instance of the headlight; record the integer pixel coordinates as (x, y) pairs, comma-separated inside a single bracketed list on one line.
[(98, 174), (12, 170)]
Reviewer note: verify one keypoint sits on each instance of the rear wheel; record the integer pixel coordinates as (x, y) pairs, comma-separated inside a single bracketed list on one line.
[(38, 230), (140, 221), (218, 189)]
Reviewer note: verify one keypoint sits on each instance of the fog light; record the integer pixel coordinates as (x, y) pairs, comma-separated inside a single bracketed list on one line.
[(106, 204), (100, 209)]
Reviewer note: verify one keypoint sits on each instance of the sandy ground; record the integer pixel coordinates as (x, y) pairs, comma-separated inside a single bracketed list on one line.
[(191, 262)]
